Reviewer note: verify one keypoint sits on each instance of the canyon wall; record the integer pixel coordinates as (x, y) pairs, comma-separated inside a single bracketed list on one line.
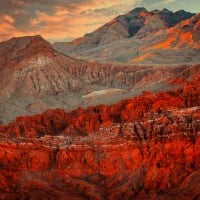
[(147, 147)]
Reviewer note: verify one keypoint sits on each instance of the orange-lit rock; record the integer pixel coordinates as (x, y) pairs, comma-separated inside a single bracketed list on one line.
[(117, 168), (147, 147)]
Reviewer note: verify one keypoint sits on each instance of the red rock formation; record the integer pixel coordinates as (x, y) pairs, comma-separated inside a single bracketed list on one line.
[(97, 168), (141, 148), (84, 121)]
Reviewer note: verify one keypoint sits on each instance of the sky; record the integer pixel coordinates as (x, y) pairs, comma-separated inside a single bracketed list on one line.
[(63, 20)]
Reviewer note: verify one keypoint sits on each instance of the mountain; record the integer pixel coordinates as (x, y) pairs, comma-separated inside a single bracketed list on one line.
[(133, 37), (35, 77), (31, 71), (141, 148), (74, 129)]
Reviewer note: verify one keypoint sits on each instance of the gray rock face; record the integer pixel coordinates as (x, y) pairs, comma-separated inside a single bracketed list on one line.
[(136, 36), (35, 77)]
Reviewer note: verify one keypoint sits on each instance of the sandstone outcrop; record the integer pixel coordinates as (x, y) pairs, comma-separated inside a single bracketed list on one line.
[(141, 148)]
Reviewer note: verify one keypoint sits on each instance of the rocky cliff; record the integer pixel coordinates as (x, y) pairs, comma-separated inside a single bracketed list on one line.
[(141, 148)]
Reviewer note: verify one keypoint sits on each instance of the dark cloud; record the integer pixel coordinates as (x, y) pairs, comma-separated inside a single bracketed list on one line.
[(25, 10), (70, 18)]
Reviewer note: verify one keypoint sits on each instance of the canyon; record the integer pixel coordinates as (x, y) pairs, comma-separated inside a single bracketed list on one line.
[(121, 120), (146, 147)]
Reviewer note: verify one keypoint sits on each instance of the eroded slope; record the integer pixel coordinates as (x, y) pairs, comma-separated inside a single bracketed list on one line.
[(35, 77), (146, 147)]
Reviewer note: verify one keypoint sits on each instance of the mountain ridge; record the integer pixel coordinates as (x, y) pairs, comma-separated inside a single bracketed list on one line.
[(15, 49), (139, 13), (113, 42), (45, 78)]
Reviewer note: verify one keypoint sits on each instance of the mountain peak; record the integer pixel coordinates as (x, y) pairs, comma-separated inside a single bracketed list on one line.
[(17, 48), (135, 25), (165, 10), (26, 40), (28, 37), (138, 10)]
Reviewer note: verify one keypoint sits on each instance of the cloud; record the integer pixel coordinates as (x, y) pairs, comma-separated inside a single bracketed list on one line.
[(56, 19), (60, 19), (169, 1), (113, 10)]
